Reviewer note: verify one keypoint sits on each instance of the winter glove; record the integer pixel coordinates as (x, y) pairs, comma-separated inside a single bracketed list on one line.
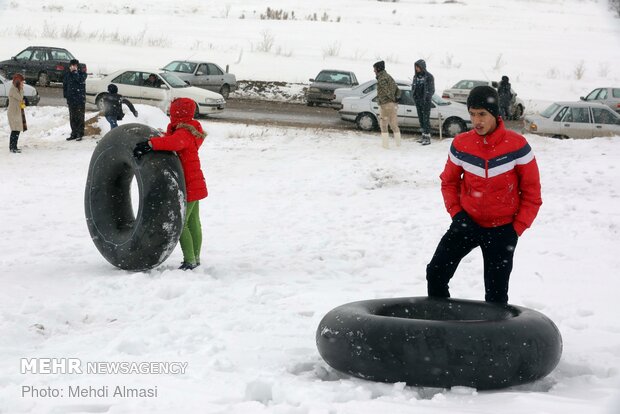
[(135, 113), (141, 149)]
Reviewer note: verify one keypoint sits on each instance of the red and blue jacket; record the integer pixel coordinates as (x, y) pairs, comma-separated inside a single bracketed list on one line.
[(494, 178)]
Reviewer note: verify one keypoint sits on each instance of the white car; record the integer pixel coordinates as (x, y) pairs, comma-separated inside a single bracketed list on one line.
[(364, 111), (153, 87), (574, 120), (362, 89), (205, 75), (460, 91), (31, 96)]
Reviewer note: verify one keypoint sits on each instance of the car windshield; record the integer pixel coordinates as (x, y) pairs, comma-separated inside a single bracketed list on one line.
[(439, 101), (178, 66), (173, 80), (334, 77), (550, 110)]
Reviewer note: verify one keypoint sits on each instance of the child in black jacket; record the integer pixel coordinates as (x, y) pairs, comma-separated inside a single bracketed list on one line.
[(113, 106)]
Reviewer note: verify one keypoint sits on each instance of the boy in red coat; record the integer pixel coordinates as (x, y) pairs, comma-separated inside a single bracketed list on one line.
[(491, 188), (184, 136)]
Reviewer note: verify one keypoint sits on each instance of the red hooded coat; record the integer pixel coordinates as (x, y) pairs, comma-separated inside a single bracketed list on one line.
[(184, 136)]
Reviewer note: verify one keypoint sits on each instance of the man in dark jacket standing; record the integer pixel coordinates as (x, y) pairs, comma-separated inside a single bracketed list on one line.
[(422, 90), (491, 189), (387, 98), (505, 97), (74, 91)]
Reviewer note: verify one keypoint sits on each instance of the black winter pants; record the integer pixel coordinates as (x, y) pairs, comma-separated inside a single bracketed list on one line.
[(497, 244), (424, 114), (76, 119)]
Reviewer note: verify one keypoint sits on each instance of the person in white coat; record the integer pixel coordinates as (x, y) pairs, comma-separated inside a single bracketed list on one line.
[(15, 112)]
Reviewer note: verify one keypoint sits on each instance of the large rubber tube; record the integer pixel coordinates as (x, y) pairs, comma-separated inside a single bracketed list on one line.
[(439, 342), (145, 239)]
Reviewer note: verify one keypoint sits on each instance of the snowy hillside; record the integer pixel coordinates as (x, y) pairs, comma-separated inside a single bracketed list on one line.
[(300, 221), (551, 49)]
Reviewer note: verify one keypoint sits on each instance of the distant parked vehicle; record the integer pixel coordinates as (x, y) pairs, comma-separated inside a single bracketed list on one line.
[(364, 111), (152, 87), (321, 89), (360, 90), (574, 120), (606, 96), (31, 96), (460, 91), (205, 75), (40, 64)]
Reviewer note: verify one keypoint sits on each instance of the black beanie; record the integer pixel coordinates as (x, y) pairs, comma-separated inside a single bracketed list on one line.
[(380, 65), (112, 88), (484, 97), (74, 62)]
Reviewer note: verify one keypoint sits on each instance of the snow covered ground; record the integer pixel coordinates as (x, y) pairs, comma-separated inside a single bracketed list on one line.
[(550, 49), (300, 221), (297, 222)]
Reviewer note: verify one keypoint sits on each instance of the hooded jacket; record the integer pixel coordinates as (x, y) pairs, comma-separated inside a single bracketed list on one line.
[(494, 178), (185, 136), (423, 86)]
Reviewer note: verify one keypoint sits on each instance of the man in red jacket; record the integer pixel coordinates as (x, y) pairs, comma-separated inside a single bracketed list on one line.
[(491, 188), (184, 136)]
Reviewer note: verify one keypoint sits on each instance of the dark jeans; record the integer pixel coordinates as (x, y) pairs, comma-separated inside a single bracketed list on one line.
[(497, 244), (76, 119), (424, 114), (504, 112), (112, 120)]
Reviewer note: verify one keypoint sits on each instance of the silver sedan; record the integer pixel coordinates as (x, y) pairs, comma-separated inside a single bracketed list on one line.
[(574, 120), (204, 75)]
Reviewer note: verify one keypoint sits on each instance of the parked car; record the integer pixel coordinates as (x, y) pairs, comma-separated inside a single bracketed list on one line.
[(607, 96), (360, 90), (364, 111), (204, 75), (40, 64), (134, 85), (460, 91), (321, 89), (574, 120), (31, 96)]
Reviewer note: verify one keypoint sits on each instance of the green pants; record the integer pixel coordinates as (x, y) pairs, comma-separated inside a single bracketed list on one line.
[(191, 236)]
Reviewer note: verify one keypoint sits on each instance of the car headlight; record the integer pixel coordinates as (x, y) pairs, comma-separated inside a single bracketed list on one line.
[(214, 101)]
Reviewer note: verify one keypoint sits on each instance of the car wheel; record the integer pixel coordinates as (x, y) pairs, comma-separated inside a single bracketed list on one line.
[(225, 91), (43, 79), (366, 121), (99, 102), (518, 113), (197, 111), (310, 103), (453, 126), (560, 136)]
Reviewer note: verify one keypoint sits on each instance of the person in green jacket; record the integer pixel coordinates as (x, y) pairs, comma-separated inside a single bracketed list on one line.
[(387, 97)]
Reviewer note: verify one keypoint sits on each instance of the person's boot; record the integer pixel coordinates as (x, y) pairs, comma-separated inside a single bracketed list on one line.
[(426, 139), (397, 138), (421, 139), (385, 140), (188, 266), (13, 145)]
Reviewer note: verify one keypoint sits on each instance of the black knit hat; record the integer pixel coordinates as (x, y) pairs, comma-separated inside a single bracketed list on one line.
[(380, 65), (484, 97), (74, 62), (112, 88)]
